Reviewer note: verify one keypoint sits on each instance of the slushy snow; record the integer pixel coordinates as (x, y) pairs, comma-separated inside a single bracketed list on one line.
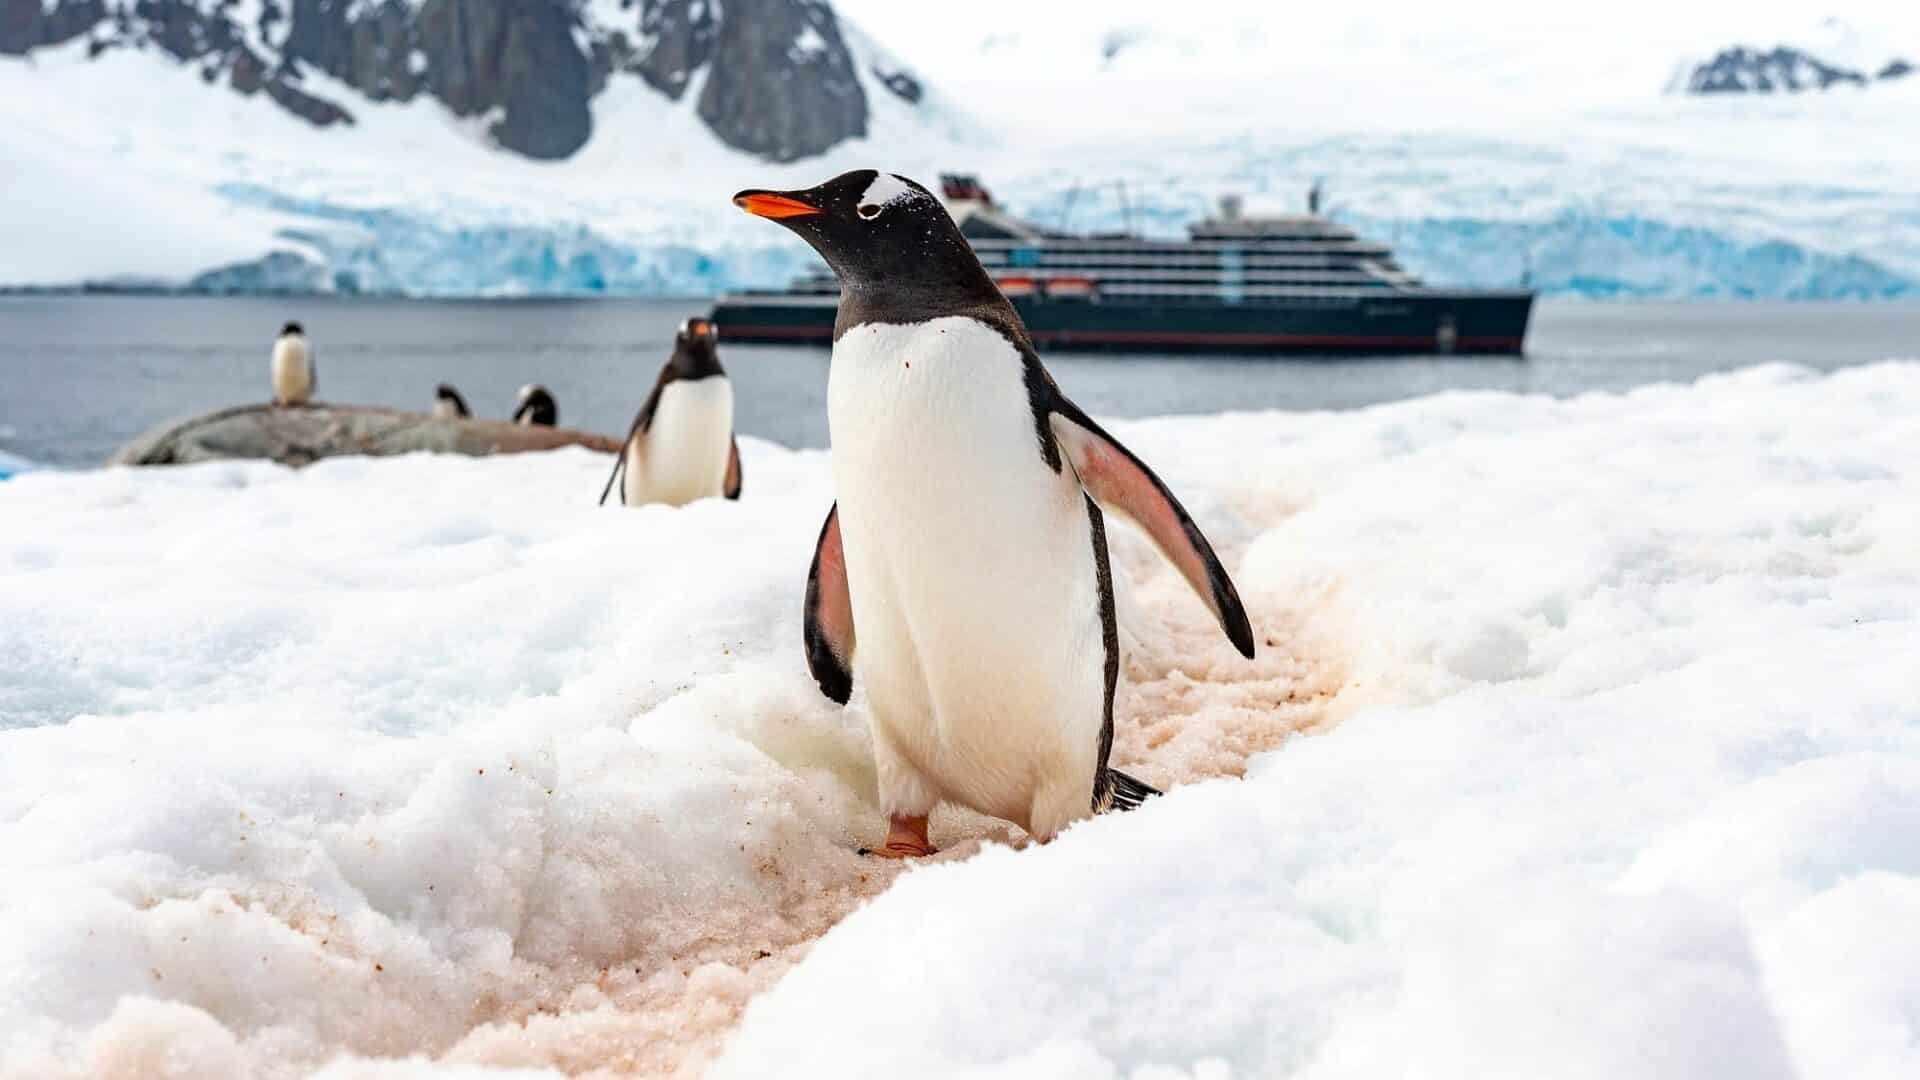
[(1584, 740)]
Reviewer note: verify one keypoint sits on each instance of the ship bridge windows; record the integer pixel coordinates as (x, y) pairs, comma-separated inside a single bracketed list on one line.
[(1216, 278)]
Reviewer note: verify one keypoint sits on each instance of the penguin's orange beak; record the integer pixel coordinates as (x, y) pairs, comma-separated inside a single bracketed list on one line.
[(769, 204)]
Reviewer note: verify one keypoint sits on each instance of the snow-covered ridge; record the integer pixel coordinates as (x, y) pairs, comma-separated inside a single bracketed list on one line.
[(525, 72), (1609, 770), (1783, 70)]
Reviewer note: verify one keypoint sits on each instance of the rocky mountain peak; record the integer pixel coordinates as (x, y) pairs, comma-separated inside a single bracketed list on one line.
[(1782, 70), (774, 78)]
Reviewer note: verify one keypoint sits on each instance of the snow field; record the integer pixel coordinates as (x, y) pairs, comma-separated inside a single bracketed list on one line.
[(432, 756), (410, 766), (1637, 794)]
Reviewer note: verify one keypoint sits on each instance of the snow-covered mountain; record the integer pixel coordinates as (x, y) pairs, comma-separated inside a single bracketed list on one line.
[(774, 78), (446, 147), (1783, 70)]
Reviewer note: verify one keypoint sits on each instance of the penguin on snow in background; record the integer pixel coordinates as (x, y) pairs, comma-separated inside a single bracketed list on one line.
[(966, 554), (536, 407), (293, 370), (681, 445)]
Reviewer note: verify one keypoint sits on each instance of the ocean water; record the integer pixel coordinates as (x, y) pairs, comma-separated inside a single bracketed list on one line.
[(82, 375)]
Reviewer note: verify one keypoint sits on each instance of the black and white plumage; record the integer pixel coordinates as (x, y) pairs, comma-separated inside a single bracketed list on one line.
[(680, 446), (294, 372), (967, 548), (536, 406), (448, 404)]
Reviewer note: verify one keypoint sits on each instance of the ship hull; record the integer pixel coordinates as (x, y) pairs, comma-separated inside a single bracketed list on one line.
[(1422, 322)]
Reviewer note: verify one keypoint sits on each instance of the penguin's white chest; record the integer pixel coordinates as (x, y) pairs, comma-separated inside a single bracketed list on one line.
[(292, 371), (682, 456), (971, 571)]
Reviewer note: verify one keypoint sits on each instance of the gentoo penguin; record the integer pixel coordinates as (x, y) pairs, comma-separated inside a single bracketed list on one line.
[(294, 372), (681, 447), (967, 544), (536, 407), (448, 404)]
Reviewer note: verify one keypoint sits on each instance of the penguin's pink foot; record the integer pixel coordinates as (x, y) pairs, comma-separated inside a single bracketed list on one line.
[(906, 839)]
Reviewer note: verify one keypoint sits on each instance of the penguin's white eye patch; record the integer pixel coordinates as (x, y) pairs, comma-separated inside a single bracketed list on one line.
[(885, 189), (868, 211)]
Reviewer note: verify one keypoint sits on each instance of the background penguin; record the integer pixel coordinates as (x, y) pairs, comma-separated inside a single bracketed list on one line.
[(966, 546), (294, 372), (681, 446), (536, 407), (448, 404)]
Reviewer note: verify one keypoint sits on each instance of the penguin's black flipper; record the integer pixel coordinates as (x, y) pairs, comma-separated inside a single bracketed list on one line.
[(828, 632), (642, 420), (1123, 485), (619, 462), (1124, 792), (732, 489)]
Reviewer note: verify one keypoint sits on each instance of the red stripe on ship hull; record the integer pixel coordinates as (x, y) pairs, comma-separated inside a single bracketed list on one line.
[(1175, 337)]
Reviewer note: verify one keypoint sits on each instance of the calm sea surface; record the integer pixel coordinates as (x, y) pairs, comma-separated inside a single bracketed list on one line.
[(80, 376)]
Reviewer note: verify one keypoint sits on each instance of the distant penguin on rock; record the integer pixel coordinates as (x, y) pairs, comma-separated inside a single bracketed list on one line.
[(967, 545), (294, 372), (448, 404), (536, 407), (681, 446)]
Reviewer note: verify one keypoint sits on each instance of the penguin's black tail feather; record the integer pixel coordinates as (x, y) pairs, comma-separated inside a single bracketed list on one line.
[(1127, 793)]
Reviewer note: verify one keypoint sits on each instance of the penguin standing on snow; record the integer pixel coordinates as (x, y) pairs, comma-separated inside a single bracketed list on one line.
[(967, 547), (294, 372), (536, 407), (681, 446), (448, 404)]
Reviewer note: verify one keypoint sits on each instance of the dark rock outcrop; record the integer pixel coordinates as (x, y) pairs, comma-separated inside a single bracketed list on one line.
[(781, 84), (518, 56), (27, 25), (680, 34), (1782, 70), (776, 78), (22, 25), (378, 53), (900, 84)]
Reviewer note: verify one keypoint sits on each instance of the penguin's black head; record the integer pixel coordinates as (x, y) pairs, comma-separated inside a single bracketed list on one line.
[(695, 355), (291, 328), (882, 234), (447, 393), (536, 406)]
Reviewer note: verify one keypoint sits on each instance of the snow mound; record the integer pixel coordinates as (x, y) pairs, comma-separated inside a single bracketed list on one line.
[(415, 765), (1638, 795)]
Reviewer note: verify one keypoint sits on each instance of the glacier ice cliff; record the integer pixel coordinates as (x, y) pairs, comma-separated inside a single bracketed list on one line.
[(1575, 252), (340, 249)]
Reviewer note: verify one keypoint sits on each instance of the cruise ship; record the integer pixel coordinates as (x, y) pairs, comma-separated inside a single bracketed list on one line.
[(1282, 284)]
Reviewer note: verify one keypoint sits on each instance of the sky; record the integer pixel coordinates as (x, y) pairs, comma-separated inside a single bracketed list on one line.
[(1002, 38)]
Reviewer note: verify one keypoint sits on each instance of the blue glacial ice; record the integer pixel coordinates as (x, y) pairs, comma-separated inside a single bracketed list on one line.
[(334, 248), (1599, 253)]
